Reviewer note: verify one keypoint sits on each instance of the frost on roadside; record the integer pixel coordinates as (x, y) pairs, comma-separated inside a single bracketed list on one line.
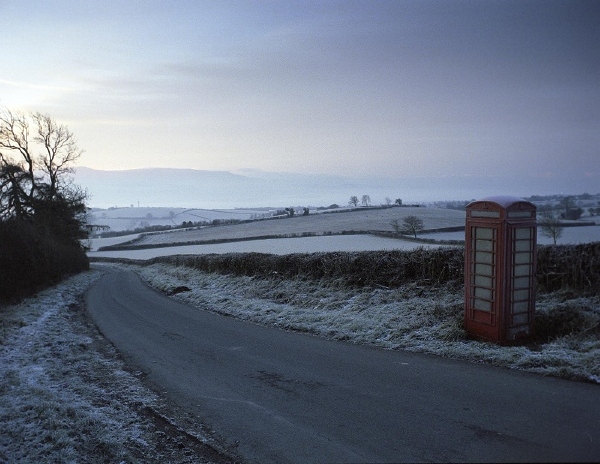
[(412, 317), (60, 399)]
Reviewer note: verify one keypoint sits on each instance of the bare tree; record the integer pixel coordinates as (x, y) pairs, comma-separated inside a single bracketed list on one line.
[(353, 201), (45, 158), (366, 200), (395, 226), (61, 150), (36, 157), (412, 225), (571, 210), (550, 227)]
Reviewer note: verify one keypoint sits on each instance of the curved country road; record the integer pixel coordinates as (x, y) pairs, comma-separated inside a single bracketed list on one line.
[(288, 397)]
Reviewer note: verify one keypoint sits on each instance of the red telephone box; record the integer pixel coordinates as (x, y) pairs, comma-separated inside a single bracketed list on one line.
[(500, 266)]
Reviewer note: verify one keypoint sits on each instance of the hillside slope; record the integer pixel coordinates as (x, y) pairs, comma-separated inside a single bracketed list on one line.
[(315, 224)]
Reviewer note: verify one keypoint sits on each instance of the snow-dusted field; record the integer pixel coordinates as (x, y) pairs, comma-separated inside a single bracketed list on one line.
[(570, 236), (120, 219), (315, 224), (279, 246), (95, 243)]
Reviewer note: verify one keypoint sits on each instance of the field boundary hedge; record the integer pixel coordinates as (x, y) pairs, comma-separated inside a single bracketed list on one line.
[(575, 267)]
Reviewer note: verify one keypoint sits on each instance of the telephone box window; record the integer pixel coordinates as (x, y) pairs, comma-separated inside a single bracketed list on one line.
[(482, 270)]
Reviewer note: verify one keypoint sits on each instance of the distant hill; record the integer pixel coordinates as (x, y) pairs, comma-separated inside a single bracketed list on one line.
[(190, 188)]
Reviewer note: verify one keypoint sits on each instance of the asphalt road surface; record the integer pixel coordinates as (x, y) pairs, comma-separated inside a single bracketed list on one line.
[(282, 397)]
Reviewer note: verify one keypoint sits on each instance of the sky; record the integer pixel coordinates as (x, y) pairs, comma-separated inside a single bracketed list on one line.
[(372, 88)]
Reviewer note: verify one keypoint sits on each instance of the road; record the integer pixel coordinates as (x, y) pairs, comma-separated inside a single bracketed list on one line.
[(282, 397)]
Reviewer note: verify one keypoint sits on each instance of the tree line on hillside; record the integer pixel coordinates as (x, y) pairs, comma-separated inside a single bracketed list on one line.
[(366, 201), (42, 213)]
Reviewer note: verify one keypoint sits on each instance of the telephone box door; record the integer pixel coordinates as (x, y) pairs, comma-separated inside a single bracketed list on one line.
[(483, 279)]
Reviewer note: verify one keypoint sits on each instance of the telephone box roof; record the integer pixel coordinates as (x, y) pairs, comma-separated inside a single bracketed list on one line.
[(505, 201)]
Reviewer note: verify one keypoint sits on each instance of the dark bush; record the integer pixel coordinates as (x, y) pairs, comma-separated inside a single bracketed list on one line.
[(570, 318), (31, 260)]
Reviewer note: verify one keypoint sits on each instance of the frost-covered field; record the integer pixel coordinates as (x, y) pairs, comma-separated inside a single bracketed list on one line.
[(570, 236), (315, 224), (279, 246), (119, 219), (65, 395)]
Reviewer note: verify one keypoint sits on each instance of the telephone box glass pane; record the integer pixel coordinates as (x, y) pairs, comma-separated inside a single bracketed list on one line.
[(521, 307), (484, 233), (484, 293), (522, 258), (521, 282), (521, 294), (522, 270), (523, 245), (523, 233), (482, 281), (484, 245), (484, 257), (482, 305), (483, 269)]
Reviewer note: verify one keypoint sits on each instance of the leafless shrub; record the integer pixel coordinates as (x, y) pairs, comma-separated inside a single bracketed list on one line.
[(575, 267)]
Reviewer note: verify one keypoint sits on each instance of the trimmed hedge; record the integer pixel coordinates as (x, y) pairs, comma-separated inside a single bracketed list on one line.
[(575, 267), (388, 269)]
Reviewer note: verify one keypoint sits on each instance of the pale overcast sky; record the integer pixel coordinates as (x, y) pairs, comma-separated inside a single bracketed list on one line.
[(378, 88)]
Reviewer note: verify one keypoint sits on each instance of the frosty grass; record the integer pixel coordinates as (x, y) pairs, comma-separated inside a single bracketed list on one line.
[(65, 396), (413, 318)]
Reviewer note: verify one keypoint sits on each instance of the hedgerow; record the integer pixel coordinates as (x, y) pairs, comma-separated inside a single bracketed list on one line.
[(31, 260), (575, 267)]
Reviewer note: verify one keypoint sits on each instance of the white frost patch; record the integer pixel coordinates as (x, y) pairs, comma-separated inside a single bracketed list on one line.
[(61, 400)]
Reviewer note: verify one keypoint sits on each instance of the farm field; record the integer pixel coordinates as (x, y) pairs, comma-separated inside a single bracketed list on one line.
[(278, 246), (316, 228), (314, 224), (570, 236), (120, 219)]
